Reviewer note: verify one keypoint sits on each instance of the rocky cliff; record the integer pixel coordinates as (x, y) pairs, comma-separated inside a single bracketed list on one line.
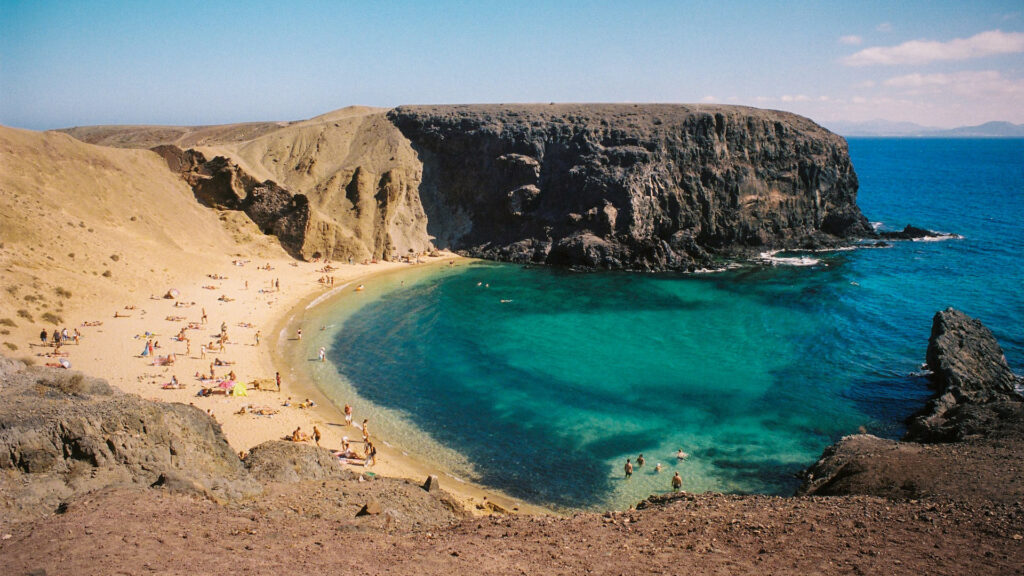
[(646, 187), (629, 186)]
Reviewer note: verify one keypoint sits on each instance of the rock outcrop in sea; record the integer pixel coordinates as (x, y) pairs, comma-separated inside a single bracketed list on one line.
[(970, 429)]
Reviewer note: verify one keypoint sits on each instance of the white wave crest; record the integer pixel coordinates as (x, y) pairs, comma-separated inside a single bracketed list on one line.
[(323, 297), (771, 258)]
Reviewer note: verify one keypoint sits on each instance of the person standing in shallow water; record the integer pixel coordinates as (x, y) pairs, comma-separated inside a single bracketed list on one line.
[(640, 461), (677, 483), (629, 468)]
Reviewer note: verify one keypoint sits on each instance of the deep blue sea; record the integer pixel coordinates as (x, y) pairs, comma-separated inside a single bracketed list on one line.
[(542, 382)]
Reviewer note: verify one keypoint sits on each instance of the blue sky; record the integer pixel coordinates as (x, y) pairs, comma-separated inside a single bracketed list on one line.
[(79, 63)]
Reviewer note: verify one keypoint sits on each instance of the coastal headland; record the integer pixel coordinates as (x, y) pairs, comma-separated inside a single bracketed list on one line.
[(227, 222)]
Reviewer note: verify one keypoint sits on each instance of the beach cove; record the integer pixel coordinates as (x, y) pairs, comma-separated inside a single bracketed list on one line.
[(246, 302)]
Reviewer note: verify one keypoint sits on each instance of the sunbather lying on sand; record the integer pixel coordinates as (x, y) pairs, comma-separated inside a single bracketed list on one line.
[(92, 323), (298, 436), (163, 360)]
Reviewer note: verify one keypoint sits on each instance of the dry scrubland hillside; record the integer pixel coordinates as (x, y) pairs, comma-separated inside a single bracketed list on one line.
[(344, 184), (82, 224)]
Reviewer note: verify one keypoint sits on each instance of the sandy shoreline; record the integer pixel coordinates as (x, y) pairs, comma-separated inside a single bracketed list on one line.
[(242, 298)]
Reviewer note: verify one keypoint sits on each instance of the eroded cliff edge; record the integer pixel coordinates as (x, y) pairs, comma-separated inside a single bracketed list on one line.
[(647, 187), (643, 187)]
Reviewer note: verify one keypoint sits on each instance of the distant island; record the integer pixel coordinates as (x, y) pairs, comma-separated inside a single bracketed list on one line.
[(889, 129)]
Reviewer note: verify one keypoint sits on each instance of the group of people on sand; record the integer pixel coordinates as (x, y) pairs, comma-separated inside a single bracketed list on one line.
[(677, 481), (60, 337)]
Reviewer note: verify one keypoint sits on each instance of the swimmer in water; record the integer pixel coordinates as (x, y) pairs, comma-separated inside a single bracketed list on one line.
[(682, 455)]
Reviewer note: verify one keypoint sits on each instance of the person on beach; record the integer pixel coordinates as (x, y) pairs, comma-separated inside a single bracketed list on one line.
[(42, 337), (640, 460), (316, 435), (657, 468), (56, 337), (298, 333), (257, 337), (277, 376), (348, 415), (371, 455), (366, 430), (77, 336), (681, 455), (203, 319), (323, 354), (677, 483), (629, 468)]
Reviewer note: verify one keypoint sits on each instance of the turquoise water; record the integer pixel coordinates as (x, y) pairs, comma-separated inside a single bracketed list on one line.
[(753, 371)]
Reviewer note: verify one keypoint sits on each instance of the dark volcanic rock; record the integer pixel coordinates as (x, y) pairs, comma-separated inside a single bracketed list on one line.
[(629, 186), (976, 407), (913, 233), (974, 386), (221, 183)]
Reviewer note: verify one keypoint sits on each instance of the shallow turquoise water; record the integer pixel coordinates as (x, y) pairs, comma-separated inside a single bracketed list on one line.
[(752, 371)]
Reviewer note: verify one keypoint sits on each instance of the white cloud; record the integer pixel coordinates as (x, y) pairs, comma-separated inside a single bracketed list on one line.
[(988, 43), (797, 98), (709, 99), (973, 83), (884, 27), (852, 40)]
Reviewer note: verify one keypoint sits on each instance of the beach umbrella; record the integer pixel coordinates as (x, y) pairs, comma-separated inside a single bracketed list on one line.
[(65, 363)]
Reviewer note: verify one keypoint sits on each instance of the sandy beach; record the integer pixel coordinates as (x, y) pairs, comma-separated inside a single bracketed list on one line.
[(242, 296)]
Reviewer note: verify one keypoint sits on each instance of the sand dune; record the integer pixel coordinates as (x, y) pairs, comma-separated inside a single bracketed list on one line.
[(100, 223)]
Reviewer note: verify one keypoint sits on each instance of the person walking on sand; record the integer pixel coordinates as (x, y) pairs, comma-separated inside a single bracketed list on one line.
[(43, 336), (203, 319), (677, 483), (257, 337), (298, 333), (348, 415), (366, 430), (629, 468), (277, 376), (316, 435), (323, 354)]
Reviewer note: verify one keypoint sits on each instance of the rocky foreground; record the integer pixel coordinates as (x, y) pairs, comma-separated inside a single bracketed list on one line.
[(95, 482)]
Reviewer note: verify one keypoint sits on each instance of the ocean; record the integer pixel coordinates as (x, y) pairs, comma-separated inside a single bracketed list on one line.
[(541, 382)]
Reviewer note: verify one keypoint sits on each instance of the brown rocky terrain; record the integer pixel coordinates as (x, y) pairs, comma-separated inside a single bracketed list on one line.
[(892, 508), (648, 187)]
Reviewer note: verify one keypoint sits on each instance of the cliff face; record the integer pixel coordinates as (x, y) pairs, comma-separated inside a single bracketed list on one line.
[(629, 186), (647, 187)]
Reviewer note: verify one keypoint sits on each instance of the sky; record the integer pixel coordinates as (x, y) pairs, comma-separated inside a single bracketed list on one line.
[(935, 63)]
